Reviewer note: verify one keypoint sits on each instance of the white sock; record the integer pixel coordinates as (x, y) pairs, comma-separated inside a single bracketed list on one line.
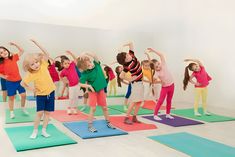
[(25, 111), (34, 134), (12, 115), (44, 133)]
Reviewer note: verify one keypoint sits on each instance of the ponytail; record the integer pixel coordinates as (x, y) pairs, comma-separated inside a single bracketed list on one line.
[(152, 74), (119, 80), (186, 78)]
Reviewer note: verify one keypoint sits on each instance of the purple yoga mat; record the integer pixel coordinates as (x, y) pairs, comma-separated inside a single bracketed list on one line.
[(178, 121)]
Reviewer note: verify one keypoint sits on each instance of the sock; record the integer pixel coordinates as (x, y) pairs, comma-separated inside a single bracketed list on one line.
[(34, 134), (44, 133)]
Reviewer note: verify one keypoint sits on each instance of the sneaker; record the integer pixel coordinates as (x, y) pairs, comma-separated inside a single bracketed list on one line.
[(127, 121), (135, 120), (196, 113), (34, 134), (168, 116), (69, 111), (74, 111), (207, 113), (45, 134), (12, 115), (25, 111), (109, 125), (92, 129), (155, 117)]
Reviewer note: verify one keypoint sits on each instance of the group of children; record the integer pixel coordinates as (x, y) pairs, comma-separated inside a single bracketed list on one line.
[(86, 78)]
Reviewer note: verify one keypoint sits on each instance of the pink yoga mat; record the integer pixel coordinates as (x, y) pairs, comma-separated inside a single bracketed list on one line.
[(62, 116), (118, 121), (151, 105)]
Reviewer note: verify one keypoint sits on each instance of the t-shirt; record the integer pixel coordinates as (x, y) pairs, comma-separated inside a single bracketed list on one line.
[(94, 77), (164, 75), (54, 74), (147, 74), (71, 74), (10, 68), (111, 75), (134, 67), (41, 79), (202, 77)]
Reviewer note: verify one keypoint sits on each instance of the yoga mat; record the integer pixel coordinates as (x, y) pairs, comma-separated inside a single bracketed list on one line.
[(120, 108), (81, 129), (20, 117), (189, 113), (115, 96), (63, 98), (62, 116), (118, 121), (195, 146), (150, 105), (177, 122), (31, 98), (99, 111), (17, 98), (19, 137)]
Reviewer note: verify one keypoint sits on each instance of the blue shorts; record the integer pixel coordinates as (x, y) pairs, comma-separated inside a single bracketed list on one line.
[(3, 84), (128, 93), (12, 87), (46, 102)]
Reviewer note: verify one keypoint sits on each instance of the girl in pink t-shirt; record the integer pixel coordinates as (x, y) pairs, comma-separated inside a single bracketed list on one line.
[(167, 90), (202, 81), (69, 74)]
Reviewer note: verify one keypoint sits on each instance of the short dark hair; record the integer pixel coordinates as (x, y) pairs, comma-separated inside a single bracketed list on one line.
[(121, 57)]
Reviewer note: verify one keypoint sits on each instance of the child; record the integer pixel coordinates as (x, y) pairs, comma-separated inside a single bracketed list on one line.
[(111, 79), (69, 72), (52, 70), (93, 79), (132, 65), (202, 78), (167, 82), (118, 71), (36, 66), (9, 70)]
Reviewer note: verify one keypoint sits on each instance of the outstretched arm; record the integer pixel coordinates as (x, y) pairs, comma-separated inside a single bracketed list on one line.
[(157, 53), (46, 54), (21, 50), (146, 53), (130, 45), (72, 54), (194, 60), (93, 56)]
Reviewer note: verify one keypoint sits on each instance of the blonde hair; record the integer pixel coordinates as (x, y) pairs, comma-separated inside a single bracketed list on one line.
[(81, 63), (30, 57)]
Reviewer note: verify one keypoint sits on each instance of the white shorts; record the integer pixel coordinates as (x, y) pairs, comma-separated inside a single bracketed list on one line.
[(137, 92)]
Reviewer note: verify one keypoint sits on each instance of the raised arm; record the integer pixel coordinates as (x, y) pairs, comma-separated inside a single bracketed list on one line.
[(194, 60), (146, 53), (93, 56), (20, 49), (162, 58), (72, 55), (46, 54), (130, 45)]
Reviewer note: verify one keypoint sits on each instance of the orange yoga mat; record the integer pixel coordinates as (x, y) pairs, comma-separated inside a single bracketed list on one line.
[(118, 121), (62, 116)]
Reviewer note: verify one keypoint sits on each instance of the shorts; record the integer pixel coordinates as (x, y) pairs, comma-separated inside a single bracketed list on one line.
[(46, 102), (12, 87), (98, 98), (137, 92), (3, 84)]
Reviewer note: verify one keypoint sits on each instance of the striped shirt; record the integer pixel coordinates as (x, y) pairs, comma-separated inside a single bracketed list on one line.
[(134, 67)]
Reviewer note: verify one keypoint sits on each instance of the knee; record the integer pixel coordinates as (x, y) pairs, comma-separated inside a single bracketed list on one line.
[(12, 98), (105, 108), (40, 114), (23, 95)]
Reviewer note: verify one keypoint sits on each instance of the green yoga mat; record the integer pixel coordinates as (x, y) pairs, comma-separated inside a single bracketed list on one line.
[(189, 113), (195, 146), (99, 111), (20, 117), (17, 98), (115, 96), (19, 137), (120, 108)]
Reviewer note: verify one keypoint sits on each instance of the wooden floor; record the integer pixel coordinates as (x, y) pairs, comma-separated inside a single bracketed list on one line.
[(136, 144)]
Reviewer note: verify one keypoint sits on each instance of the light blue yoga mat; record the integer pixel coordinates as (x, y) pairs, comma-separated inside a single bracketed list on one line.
[(195, 146)]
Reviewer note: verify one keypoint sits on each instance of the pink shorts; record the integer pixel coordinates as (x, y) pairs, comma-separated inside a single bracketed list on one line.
[(98, 98)]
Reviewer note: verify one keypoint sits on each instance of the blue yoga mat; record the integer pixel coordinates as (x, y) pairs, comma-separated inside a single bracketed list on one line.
[(81, 129), (195, 146)]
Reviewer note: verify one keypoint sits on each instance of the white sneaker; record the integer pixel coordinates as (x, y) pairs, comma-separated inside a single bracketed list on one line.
[(25, 111), (45, 134), (74, 111), (207, 113), (69, 111), (156, 117), (168, 116), (34, 134), (12, 115), (197, 114)]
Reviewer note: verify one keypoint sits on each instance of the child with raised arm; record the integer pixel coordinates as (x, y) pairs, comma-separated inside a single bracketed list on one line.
[(167, 90), (10, 72), (132, 65), (202, 81), (36, 66), (93, 79)]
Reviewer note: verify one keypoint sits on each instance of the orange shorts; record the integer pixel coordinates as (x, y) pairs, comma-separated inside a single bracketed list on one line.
[(98, 98)]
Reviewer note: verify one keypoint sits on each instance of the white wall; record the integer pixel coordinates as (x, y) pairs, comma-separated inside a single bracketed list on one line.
[(206, 31)]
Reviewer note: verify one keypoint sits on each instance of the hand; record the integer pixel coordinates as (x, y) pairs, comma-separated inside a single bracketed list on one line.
[(34, 41), (68, 52), (146, 52), (133, 78), (12, 43), (150, 50), (91, 88), (187, 60)]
